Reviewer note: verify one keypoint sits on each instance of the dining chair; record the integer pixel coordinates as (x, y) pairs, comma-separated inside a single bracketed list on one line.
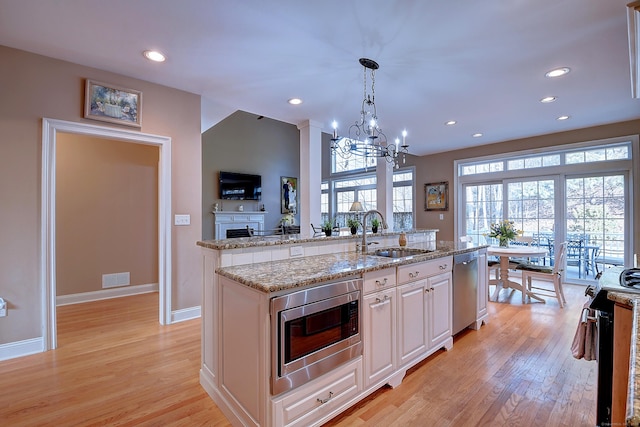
[(520, 241), (543, 274), (316, 231), (575, 254)]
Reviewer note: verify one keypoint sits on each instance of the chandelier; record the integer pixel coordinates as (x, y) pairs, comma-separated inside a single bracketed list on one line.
[(366, 139)]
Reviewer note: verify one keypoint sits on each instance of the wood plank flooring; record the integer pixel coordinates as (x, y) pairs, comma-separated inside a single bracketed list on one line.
[(117, 366)]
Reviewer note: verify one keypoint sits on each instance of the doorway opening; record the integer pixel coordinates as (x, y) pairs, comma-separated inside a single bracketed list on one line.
[(50, 130)]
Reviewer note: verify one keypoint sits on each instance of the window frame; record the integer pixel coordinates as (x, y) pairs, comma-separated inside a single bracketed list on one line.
[(563, 171)]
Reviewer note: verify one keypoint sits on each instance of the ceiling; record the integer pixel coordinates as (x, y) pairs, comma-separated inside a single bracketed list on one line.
[(481, 63)]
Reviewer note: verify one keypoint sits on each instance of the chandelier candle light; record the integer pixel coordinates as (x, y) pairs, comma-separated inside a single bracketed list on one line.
[(374, 142)]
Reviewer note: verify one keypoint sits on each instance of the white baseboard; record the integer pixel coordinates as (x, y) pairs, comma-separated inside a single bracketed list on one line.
[(36, 345), (123, 291), (185, 314), (21, 348)]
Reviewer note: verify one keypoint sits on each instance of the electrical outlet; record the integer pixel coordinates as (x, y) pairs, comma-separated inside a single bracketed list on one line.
[(3, 308), (182, 220), (296, 251)]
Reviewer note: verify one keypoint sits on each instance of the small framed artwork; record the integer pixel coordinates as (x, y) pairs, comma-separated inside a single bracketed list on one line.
[(436, 196), (288, 195), (113, 104)]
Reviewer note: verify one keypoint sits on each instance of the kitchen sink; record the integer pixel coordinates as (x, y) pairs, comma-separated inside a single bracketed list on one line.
[(400, 252)]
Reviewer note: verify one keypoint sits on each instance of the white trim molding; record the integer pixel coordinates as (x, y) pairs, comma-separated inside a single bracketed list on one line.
[(123, 291), (21, 348), (186, 314), (50, 129), (633, 22)]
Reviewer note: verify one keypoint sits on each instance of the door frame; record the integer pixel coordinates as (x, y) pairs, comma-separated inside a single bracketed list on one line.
[(50, 129)]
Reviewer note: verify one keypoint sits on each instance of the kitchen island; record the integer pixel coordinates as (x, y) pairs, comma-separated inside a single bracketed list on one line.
[(404, 311)]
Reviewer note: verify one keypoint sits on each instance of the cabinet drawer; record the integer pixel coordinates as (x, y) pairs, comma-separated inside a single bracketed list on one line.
[(378, 280), (421, 270), (320, 398)]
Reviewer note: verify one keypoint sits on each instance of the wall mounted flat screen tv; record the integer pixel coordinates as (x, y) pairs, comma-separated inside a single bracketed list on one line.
[(240, 186)]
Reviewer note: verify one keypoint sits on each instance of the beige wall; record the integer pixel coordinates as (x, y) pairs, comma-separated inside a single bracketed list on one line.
[(106, 212), (34, 87), (439, 167), (242, 143)]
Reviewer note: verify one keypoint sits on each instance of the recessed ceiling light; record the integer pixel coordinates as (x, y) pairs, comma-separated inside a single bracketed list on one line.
[(563, 118), (450, 123), (548, 99), (154, 55), (477, 135), (558, 72), (295, 101)]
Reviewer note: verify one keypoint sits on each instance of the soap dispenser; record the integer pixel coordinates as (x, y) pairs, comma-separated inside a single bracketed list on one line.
[(402, 240)]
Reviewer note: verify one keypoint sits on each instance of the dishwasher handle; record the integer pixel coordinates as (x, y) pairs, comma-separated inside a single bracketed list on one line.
[(466, 258)]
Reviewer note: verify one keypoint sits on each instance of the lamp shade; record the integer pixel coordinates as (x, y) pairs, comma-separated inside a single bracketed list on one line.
[(356, 207)]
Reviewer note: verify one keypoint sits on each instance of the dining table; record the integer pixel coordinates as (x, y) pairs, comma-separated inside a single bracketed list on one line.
[(519, 251)]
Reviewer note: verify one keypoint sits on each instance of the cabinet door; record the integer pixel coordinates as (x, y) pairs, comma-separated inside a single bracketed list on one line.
[(412, 333), (439, 295), (483, 283), (379, 335)]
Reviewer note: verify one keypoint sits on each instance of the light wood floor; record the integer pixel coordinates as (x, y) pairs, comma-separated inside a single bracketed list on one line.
[(116, 366)]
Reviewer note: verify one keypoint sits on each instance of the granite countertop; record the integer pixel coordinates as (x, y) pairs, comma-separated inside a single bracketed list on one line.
[(293, 273), (290, 239)]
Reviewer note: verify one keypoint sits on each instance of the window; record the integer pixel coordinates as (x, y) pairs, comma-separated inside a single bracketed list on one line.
[(567, 157), (356, 188), (324, 201), (353, 163), (354, 183), (403, 200), (596, 217), (482, 206), (578, 195)]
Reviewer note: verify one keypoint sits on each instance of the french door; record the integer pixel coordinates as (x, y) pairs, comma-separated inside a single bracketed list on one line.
[(596, 207), (590, 212)]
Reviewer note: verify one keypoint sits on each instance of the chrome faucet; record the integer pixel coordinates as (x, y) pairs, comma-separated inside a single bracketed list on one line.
[(364, 229)]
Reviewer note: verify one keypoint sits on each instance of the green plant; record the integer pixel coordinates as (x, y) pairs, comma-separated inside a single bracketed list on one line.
[(504, 231), (375, 222), (352, 223), (327, 225)]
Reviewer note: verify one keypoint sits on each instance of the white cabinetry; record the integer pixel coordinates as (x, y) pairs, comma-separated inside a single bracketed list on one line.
[(379, 325), (482, 313), (439, 309), (424, 309), (412, 335), (224, 221), (317, 401)]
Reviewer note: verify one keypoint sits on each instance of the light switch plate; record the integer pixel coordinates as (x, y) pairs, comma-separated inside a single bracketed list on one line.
[(441, 217), (182, 220)]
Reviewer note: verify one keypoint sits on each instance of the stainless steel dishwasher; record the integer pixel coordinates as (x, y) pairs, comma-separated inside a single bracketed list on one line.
[(465, 290)]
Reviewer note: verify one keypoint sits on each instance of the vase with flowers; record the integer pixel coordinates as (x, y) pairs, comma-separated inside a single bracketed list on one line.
[(505, 231)]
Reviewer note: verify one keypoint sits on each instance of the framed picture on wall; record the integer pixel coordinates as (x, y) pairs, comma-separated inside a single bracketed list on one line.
[(113, 104), (436, 196), (288, 195)]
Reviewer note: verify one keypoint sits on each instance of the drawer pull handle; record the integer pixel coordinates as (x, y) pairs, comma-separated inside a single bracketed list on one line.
[(379, 300), (443, 267), (379, 283), (323, 401), (412, 275)]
